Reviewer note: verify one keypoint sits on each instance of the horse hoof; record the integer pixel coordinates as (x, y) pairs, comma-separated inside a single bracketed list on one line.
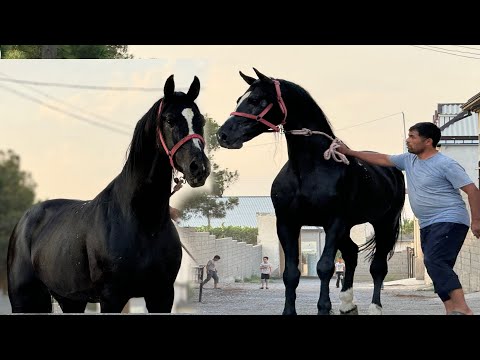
[(285, 312), (375, 309), (329, 312), (353, 311)]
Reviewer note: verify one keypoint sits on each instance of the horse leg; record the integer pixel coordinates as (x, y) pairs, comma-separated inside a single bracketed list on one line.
[(325, 266), (385, 238), (26, 292), (113, 303), (288, 236), (70, 306), (350, 254), (161, 301)]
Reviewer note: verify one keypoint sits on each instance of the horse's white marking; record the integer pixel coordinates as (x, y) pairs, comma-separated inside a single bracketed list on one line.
[(188, 115), (246, 95), (346, 297), (374, 309)]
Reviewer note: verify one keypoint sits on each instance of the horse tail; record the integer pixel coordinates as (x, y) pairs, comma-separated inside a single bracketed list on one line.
[(371, 244)]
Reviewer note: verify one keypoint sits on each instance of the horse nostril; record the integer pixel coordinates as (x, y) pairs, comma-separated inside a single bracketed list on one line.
[(194, 167), (222, 136)]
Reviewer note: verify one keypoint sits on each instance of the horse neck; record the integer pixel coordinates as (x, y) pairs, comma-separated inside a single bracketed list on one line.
[(307, 149), (145, 187)]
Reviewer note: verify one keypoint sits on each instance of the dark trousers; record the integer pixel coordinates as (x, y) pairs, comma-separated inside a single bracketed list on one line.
[(211, 274), (340, 277), (441, 243)]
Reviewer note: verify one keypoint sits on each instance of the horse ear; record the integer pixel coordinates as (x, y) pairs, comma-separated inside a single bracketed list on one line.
[(169, 87), (261, 76), (194, 89), (249, 80)]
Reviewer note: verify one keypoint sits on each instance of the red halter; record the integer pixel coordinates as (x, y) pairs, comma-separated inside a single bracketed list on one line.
[(177, 146), (260, 116)]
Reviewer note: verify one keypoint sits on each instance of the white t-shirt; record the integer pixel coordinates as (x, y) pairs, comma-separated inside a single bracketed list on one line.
[(339, 266), (265, 268)]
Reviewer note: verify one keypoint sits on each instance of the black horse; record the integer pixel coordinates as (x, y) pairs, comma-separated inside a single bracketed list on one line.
[(312, 189), (121, 244)]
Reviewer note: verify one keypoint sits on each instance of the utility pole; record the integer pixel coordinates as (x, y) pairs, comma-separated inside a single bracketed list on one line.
[(404, 134), (49, 51)]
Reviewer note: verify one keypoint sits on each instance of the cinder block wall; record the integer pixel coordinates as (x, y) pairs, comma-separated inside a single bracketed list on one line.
[(467, 266), (397, 267), (238, 260)]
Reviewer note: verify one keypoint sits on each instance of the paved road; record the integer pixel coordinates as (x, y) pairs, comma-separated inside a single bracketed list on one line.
[(401, 297)]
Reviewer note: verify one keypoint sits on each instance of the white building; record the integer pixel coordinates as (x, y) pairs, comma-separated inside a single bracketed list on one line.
[(459, 136)]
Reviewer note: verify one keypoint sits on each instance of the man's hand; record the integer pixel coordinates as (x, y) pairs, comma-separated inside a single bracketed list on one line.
[(476, 228), (343, 148)]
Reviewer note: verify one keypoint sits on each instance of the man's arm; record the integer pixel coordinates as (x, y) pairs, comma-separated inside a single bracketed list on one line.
[(474, 200), (370, 157), (174, 214)]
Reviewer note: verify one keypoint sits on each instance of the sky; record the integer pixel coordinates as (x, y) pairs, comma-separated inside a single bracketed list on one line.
[(367, 92)]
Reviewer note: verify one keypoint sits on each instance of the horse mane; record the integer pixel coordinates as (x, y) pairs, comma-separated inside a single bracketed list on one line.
[(140, 151), (296, 91)]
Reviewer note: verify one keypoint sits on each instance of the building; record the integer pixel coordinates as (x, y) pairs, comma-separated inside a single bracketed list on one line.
[(459, 135)]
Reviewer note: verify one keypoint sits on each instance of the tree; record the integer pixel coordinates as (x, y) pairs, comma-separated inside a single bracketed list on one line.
[(407, 227), (209, 204), (66, 51), (17, 194)]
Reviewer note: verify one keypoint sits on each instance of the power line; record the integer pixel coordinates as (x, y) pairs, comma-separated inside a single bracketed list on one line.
[(466, 47), (344, 128), (83, 110), (470, 57), (458, 51), (91, 87), (366, 122), (55, 108)]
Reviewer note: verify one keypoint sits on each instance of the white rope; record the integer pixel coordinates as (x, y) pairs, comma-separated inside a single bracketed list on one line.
[(331, 152)]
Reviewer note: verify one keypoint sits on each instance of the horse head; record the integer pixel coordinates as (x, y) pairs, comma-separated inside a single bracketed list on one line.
[(260, 109), (179, 128)]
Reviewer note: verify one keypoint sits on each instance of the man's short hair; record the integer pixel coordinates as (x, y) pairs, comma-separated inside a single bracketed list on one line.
[(265, 257), (428, 130), (216, 257)]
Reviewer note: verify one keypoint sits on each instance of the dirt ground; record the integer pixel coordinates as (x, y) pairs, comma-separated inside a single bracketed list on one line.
[(401, 297)]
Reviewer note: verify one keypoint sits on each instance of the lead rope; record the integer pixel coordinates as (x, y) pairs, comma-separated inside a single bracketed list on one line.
[(179, 181), (331, 152)]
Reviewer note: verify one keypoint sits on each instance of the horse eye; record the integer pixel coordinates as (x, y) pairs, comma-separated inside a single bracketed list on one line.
[(169, 120)]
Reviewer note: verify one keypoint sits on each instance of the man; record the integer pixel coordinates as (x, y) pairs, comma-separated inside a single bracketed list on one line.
[(212, 271), (433, 181), (340, 271), (265, 271)]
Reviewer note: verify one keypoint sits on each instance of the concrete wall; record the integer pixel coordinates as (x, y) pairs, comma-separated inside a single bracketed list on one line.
[(465, 155)]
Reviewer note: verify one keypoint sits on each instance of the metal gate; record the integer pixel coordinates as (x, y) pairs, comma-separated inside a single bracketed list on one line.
[(410, 262)]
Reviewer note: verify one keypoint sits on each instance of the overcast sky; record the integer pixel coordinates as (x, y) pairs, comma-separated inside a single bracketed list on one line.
[(69, 157)]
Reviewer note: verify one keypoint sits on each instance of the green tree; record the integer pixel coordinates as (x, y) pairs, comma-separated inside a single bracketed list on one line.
[(407, 227), (67, 52), (17, 194), (208, 203)]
